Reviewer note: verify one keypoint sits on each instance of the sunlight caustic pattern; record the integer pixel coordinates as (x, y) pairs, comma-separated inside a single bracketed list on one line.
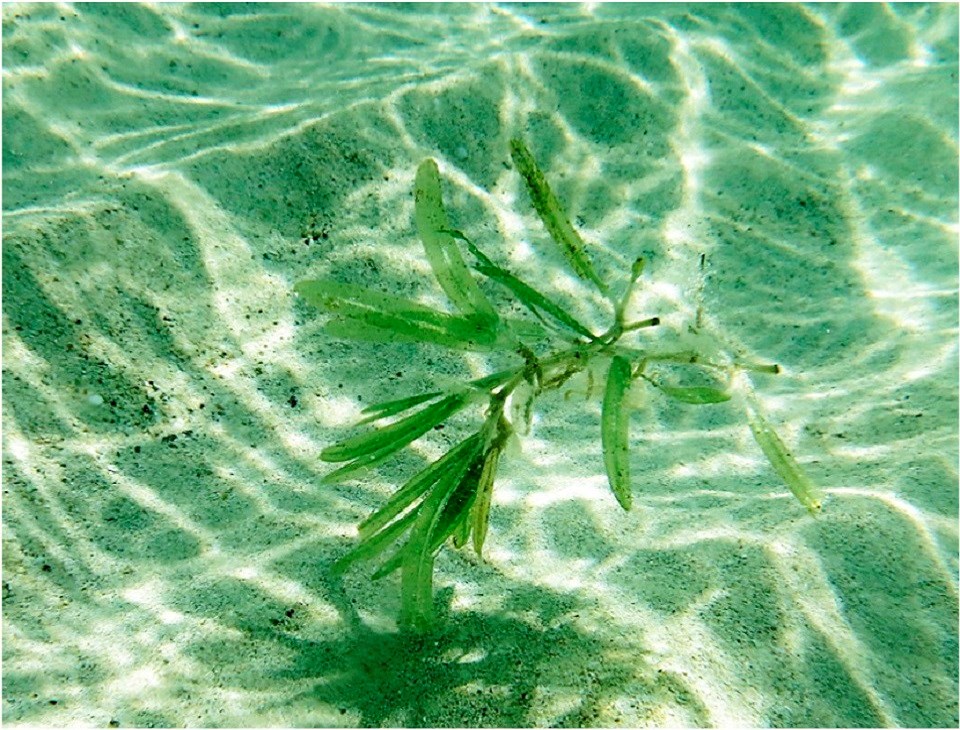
[(170, 170)]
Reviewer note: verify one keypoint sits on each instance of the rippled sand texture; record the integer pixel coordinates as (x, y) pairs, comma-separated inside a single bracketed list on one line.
[(170, 171)]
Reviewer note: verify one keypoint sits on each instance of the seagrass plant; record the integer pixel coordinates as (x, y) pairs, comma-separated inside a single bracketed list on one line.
[(450, 499)]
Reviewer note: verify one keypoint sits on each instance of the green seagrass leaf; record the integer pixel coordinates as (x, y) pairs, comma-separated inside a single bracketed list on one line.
[(442, 252), (390, 564), (376, 327), (455, 521), (457, 508), (461, 333), (439, 477), (353, 300), (362, 314), (614, 423), (462, 533), (389, 408), (481, 507), (444, 467), (488, 382), (361, 462), (447, 507), (370, 547), (344, 328), (554, 217), (416, 573), (696, 395), (528, 296), (784, 464), (396, 435)]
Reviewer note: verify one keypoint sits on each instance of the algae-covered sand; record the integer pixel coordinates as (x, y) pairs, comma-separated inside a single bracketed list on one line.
[(170, 171)]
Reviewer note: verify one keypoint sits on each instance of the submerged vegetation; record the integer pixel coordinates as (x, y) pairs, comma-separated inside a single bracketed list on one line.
[(450, 499)]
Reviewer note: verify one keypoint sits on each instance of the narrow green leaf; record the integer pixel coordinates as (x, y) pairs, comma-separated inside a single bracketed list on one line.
[(391, 563), (462, 533), (361, 314), (457, 509), (376, 328), (392, 407), (553, 216), (343, 328), (361, 462), (784, 464), (462, 453), (461, 333), (446, 481), (457, 526), (442, 252), (396, 435), (533, 300), (489, 382), (481, 507), (353, 300), (696, 395), (370, 547), (621, 307), (454, 522), (614, 423), (416, 582), (477, 253), (526, 294)]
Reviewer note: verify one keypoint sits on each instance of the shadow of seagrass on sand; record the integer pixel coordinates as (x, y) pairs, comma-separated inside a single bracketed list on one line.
[(210, 423), (537, 660), (527, 665)]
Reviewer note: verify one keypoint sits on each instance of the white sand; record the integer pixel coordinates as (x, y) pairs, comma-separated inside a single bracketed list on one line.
[(170, 173)]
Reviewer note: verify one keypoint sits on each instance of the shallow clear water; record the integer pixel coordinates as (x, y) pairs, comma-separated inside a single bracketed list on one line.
[(170, 171)]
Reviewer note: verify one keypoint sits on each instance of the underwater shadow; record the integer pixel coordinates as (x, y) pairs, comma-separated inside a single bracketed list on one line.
[(526, 666)]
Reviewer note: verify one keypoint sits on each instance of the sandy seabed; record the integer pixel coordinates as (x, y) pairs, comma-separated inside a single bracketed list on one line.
[(170, 171)]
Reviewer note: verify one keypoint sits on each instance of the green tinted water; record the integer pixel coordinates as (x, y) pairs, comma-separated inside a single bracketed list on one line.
[(169, 171)]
